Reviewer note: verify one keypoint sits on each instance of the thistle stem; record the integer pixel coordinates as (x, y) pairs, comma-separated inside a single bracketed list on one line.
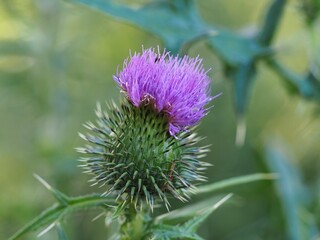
[(135, 223)]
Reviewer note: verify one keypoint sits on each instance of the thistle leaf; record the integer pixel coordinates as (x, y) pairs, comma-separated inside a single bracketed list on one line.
[(189, 228), (197, 209), (221, 185), (195, 223), (57, 211), (61, 197), (175, 22), (47, 229)]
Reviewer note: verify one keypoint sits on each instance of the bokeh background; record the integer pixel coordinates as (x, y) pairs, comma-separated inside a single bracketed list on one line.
[(56, 62)]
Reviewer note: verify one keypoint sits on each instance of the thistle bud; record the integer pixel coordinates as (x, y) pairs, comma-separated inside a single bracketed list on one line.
[(143, 151)]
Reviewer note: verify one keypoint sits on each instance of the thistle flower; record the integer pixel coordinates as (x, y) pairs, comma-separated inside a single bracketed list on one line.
[(140, 151), (176, 86)]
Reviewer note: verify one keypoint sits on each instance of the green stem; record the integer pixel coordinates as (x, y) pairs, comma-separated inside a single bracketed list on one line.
[(135, 224)]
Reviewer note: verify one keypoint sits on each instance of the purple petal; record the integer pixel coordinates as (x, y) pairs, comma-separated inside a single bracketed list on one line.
[(177, 86)]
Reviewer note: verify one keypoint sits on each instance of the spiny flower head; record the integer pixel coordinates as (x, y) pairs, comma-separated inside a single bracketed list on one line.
[(176, 86), (140, 151)]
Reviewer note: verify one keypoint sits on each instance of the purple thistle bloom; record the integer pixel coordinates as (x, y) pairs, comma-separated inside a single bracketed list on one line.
[(176, 86)]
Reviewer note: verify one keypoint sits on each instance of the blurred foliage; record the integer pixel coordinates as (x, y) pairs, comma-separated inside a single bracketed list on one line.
[(310, 9), (293, 195), (57, 59)]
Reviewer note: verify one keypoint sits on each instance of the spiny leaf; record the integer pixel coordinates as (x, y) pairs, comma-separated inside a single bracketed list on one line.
[(221, 185), (189, 228), (61, 197), (305, 85), (197, 209), (194, 223), (271, 22), (235, 49), (57, 211), (175, 22), (47, 229)]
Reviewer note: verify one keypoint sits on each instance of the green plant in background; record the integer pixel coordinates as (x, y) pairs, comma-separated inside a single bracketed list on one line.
[(179, 26)]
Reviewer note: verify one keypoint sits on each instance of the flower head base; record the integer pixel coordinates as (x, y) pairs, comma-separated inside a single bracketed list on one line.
[(134, 154), (176, 86)]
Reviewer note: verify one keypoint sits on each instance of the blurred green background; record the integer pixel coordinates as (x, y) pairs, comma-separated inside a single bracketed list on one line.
[(57, 60)]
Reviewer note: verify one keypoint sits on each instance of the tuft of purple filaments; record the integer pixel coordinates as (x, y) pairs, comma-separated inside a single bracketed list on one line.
[(176, 86)]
